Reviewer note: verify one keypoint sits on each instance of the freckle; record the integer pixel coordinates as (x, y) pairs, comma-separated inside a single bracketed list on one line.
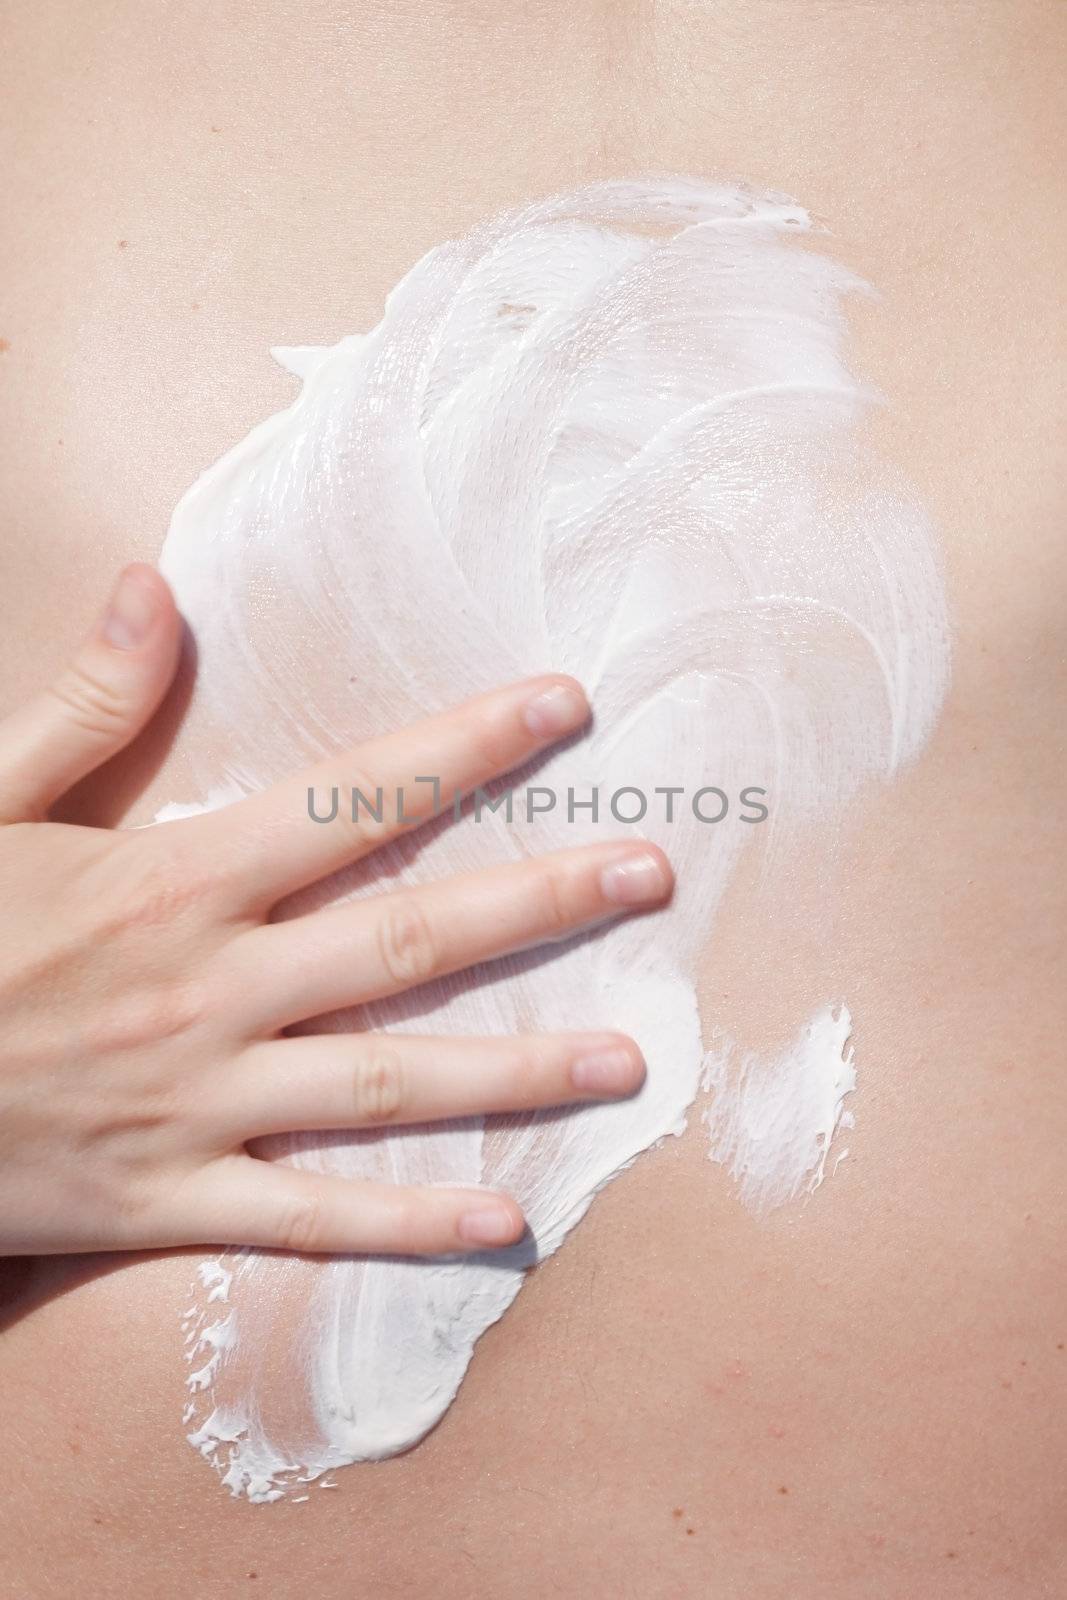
[(679, 1511), (1059, 1347), (1022, 1363), (950, 1555), (123, 243), (690, 1530), (782, 1489), (98, 1522)]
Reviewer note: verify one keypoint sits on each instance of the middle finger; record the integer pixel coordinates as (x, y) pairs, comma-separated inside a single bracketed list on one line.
[(347, 955)]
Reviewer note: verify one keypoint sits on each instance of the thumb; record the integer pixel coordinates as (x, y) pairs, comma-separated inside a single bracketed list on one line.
[(100, 701)]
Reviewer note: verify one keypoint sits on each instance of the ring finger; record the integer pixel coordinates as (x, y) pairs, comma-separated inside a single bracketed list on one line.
[(336, 1080)]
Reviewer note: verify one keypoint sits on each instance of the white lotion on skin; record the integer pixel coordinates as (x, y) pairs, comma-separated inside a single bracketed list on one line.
[(773, 1118), (609, 433)]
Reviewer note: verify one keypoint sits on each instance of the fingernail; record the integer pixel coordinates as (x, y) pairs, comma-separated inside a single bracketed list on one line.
[(637, 881), (133, 609), (607, 1072), (555, 711), (486, 1225)]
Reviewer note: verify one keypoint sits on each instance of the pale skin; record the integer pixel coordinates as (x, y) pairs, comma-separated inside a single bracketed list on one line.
[(144, 988), (859, 1397)]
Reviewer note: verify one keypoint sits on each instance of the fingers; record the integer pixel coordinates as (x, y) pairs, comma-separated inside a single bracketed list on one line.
[(240, 1200), (337, 1080), (390, 783), (347, 955), (104, 697)]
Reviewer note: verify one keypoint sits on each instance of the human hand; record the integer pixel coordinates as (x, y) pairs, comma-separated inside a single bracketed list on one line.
[(144, 990)]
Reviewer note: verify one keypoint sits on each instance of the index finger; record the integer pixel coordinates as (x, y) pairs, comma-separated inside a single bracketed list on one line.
[(385, 785)]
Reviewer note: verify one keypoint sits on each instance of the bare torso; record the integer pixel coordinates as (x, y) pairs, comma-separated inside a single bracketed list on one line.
[(859, 1397)]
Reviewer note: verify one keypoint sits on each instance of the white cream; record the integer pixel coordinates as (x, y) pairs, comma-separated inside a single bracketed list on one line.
[(773, 1117), (609, 433)]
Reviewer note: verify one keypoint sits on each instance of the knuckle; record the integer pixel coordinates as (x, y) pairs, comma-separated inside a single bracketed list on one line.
[(360, 803), (406, 944), (379, 1088), (521, 1079), (365, 802), (410, 1219), (180, 1006), (128, 1198), (555, 909), (493, 746), (149, 1016), (90, 702), (532, 1073), (302, 1222), (165, 888)]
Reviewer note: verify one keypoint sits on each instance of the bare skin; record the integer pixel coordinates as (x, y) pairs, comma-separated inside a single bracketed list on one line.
[(858, 1399)]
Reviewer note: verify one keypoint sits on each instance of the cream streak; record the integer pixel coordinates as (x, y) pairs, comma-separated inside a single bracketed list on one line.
[(773, 1117), (610, 433)]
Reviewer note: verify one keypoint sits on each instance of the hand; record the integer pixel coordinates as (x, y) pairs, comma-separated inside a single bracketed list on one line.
[(144, 990)]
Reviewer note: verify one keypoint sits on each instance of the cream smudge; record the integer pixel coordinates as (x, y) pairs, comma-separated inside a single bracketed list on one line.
[(609, 433)]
